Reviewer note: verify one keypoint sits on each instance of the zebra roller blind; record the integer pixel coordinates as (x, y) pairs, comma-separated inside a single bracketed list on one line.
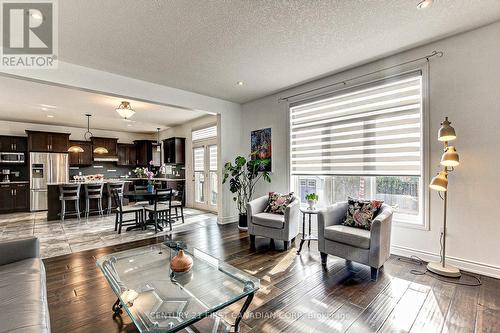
[(372, 130)]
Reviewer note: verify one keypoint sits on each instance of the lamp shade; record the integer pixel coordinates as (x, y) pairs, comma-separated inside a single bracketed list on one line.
[(450, 157), (440, 182), (446, 132), (100, 150), (75, 149)]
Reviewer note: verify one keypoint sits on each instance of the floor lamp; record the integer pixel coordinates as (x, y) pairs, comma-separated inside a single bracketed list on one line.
[(449, 160)]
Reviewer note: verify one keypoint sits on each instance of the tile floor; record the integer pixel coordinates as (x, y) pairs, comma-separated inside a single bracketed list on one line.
[(59, 238)]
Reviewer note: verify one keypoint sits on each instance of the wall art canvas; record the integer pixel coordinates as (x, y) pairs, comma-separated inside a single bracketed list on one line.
[(261, 146)]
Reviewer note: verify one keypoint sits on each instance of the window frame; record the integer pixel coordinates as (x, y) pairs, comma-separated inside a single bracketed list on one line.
[(425, 135)]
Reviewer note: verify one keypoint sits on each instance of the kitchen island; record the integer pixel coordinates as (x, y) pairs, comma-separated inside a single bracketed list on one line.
[(54, 204)]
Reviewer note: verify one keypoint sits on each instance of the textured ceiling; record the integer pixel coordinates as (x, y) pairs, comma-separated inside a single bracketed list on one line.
[(31, 102), (207, 46)]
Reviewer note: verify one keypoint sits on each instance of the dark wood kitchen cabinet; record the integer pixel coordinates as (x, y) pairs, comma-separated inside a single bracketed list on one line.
[(18, 144), (48, 142), (109, 143), (14, 198), (174, 150), (81, 159), (127, 154), (144, 152)]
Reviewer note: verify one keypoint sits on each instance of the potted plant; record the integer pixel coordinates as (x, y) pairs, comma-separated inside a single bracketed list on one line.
[(312, 199), (243, 175)]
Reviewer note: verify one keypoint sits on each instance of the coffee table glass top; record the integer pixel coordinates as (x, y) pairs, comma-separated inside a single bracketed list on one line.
[(158, 300)]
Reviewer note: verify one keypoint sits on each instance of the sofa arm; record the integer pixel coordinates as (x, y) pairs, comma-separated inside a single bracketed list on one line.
[(380, 237), (16, 250), (256, 206), (292, 218)]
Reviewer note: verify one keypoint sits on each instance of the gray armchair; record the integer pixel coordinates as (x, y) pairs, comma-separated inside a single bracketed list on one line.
[(368, 247), (274, 226)]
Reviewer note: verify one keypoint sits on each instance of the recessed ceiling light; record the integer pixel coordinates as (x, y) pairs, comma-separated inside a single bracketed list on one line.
[(240, 83), (50, 116), (129, 125), (424, 4)]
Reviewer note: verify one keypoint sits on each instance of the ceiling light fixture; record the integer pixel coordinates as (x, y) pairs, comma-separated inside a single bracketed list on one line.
[(158, 144), (240, 83), (50, 116), (125, 110), (425, 4), (88, 137)]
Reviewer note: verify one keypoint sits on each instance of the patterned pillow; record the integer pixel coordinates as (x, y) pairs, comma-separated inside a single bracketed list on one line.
[(360, 213), (278, 202)]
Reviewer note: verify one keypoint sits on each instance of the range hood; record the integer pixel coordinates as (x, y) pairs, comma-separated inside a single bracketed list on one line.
[(106, 158)]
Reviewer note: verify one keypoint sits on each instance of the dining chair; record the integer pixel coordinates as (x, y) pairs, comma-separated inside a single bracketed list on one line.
[(177, 205), (161, 209), (141, 188), (110, 187), (122, 210)]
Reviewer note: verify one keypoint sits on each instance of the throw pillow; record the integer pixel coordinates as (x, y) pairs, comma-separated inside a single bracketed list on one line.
[(278, 202), (360, 213)]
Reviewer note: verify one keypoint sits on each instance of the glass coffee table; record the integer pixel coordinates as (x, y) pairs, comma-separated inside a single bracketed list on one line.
[(158, 300)]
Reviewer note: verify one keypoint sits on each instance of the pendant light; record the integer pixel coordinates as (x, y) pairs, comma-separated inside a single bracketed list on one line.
[(125, 110), (87, 137), (158, 144)]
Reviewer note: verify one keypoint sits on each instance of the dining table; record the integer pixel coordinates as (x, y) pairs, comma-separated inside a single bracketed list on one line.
[(144, 195)]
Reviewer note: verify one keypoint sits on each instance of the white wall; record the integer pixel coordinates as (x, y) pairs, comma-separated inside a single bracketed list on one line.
[(184, 131), (464, 85), (70, 75), (18, 128)]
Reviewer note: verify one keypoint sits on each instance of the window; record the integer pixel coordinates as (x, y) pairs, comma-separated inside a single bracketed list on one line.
[(365, 142), (204, 133)]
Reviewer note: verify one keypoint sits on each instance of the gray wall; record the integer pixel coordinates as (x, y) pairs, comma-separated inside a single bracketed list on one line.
[(464, 85)]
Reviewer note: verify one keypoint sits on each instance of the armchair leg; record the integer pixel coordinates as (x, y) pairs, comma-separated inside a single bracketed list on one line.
[(252, 242), (286, 244), (374, 274), (324, 256)]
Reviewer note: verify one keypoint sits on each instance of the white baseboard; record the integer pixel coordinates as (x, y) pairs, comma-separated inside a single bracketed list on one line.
[(227, 219), (466, 265)]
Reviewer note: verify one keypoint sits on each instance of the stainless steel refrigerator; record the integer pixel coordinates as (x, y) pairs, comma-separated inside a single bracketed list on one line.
[(46, 168)]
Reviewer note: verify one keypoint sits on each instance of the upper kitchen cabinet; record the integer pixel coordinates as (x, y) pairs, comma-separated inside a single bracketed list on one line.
[(81, 158), (127, 155), (144, 151), (48, 142), (15, 144), (175, 150), (110, 144)]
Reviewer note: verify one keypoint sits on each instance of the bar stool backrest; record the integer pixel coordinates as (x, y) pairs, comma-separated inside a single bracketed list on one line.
[(69, 192), (94, 190)]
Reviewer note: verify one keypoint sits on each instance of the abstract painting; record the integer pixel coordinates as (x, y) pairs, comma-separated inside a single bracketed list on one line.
[(261, 146)]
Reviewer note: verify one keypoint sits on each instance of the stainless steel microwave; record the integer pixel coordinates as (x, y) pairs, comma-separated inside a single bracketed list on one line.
[(12, 158)]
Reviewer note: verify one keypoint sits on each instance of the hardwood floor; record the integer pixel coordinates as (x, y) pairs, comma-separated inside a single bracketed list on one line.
[(296, 295)]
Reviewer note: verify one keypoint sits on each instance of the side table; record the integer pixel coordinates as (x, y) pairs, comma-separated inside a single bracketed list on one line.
[(308, 238)]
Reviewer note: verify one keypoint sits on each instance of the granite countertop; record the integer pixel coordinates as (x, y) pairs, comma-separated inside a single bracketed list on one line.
[(16, 182), (114, 180)]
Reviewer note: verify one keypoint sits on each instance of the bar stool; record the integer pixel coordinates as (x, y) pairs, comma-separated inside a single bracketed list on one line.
[(119, 190), (69, 192), (93, 191)]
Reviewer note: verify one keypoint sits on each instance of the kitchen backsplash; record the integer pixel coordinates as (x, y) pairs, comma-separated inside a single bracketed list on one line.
[(111, 170)]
